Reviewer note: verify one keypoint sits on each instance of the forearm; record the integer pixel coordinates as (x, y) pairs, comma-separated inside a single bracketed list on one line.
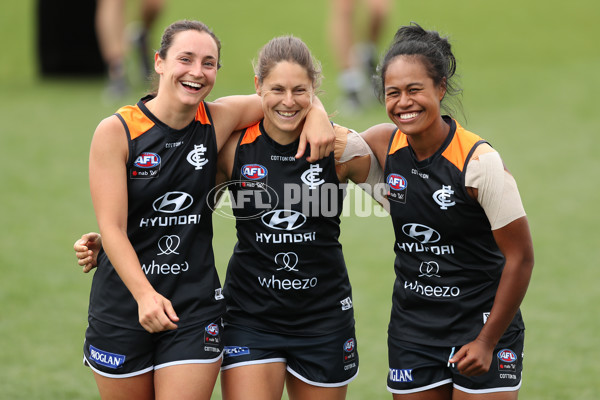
[(125, 261), (317, 116), (356, 162), (515, 242), (509, 297), (318, 132)]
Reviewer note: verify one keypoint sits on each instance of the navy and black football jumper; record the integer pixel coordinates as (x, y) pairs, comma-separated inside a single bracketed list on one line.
[(169, 223), (448, 265), (287, 273)]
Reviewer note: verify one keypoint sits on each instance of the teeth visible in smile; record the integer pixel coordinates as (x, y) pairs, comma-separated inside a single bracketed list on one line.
[(408, 116), (192, 84), (287, 113)]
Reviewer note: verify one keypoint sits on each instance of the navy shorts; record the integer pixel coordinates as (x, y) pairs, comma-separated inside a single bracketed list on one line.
[(117, 352), (416, 367), (327, 361)]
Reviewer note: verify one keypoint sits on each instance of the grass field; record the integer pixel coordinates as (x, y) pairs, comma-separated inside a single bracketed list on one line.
[(530, 78)]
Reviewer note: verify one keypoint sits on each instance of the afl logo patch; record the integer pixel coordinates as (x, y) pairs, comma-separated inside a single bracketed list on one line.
[(350, 356), (212, 329), (254, 171), (147, 160), (349, 346), (396, 182), (507, 356)]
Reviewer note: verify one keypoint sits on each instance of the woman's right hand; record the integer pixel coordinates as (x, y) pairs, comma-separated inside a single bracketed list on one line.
[(156, 313), (87, 249)]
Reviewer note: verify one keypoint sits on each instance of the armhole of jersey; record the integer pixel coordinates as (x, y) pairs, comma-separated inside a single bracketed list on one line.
[(253, 131), (334, 165), (236, 167), (204, 116), (130, 156), (387, 153)]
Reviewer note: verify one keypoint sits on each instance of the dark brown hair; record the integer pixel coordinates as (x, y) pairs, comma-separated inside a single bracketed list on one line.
[(287, 48), (433, 50), (181, 26)]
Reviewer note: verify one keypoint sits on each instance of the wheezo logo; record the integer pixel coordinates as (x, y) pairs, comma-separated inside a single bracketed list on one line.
[(147, 160), (212, 329), (507, 356), (396, 182), (349, 345), (254, 171)]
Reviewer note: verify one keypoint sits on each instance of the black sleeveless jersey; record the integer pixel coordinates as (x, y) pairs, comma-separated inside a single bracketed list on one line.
[(287, 273), (169, 222), (447, 265)]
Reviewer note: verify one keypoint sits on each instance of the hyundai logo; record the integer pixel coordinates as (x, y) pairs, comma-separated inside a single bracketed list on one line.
[(285, 220), (173, 202), (421, 233)]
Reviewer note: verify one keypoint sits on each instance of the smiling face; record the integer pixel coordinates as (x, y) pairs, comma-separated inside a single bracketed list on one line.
[(189, 70), (412, 99), (286, 94)]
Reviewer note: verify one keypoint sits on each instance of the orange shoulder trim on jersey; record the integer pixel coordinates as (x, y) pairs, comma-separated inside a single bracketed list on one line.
[(137, 122), (251, 134), (202, 115), (461, 145), (400, 141)]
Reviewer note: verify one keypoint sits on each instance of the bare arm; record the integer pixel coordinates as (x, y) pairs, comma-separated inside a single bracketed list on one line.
[(233, 113), (352, 156), (378, 138), (514, 240), (108, 185), (88, 246), (226, 158), (355, 161), (317, 132)]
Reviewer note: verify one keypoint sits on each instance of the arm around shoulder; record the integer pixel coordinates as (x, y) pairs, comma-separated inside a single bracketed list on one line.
[(378, 138), (355, 161), (232, 113), (318, 132)]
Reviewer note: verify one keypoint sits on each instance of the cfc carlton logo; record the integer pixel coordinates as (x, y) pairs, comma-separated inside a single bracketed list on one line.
[(396, 182), (147, 160), (254, 171), (212, 329)]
